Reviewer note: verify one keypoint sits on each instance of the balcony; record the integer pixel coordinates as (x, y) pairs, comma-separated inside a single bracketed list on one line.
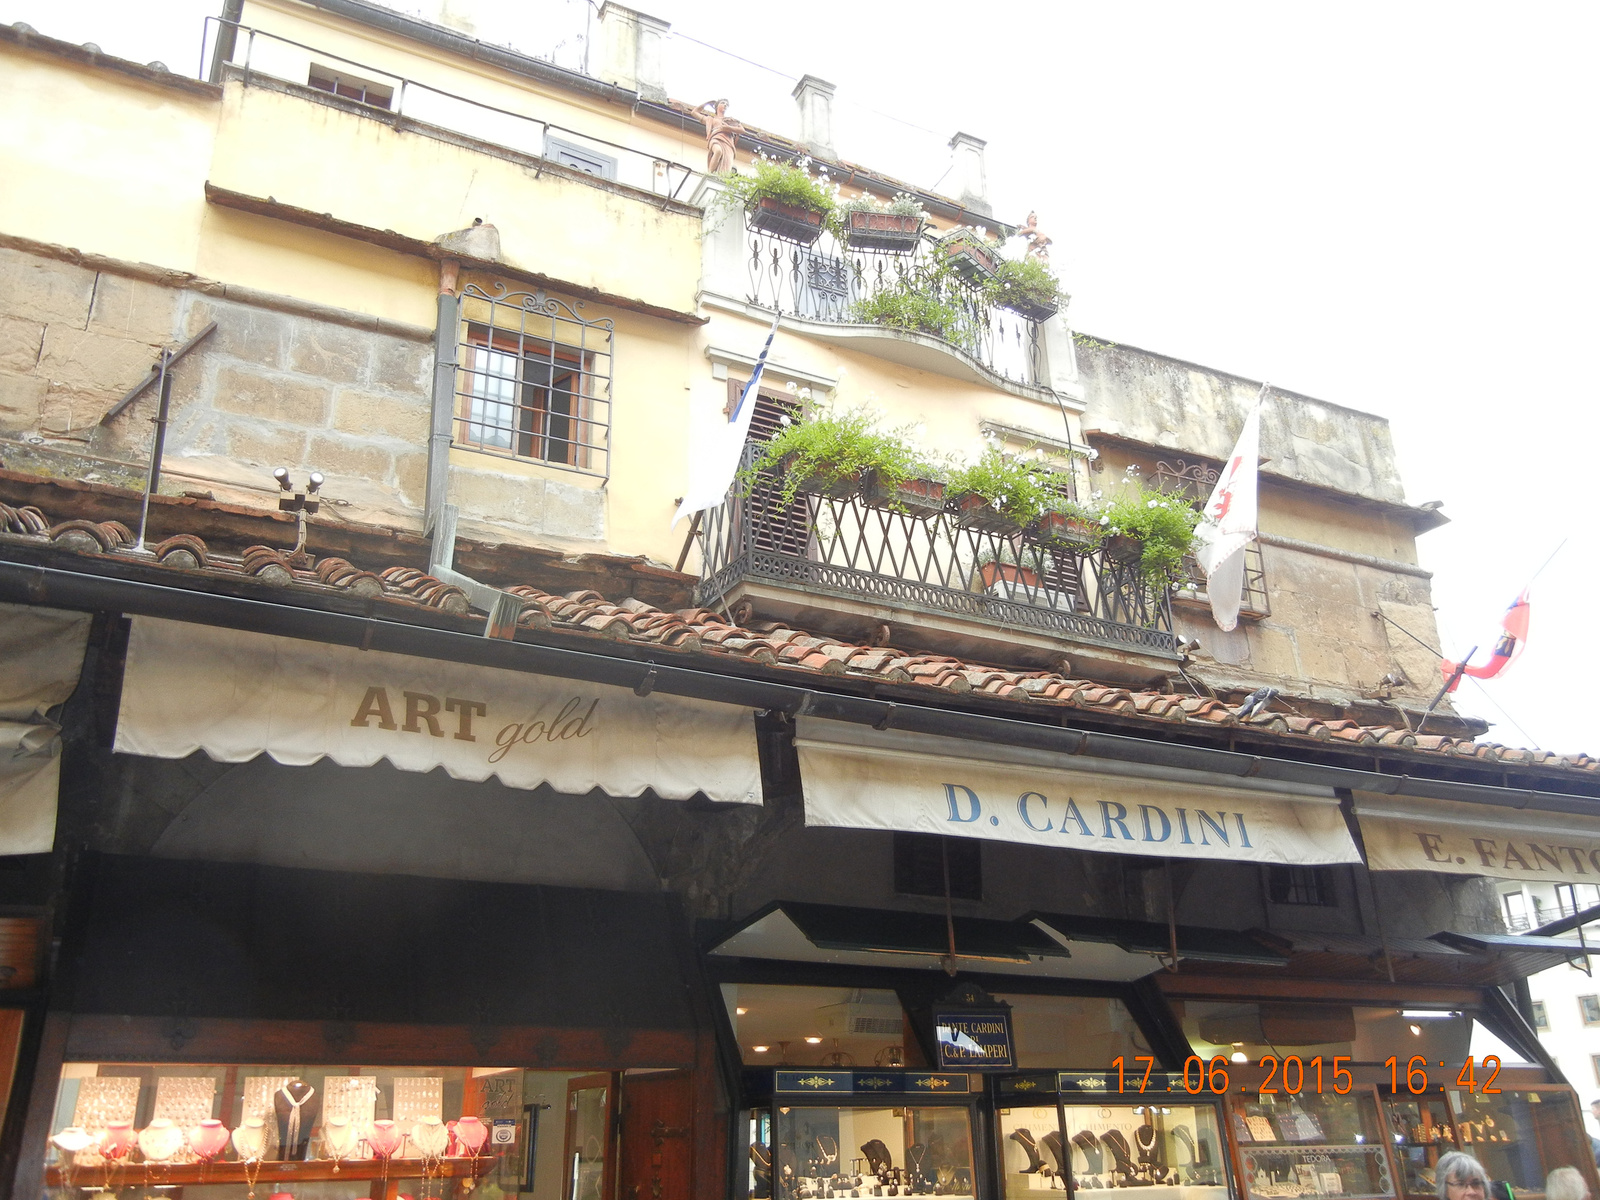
[(826, 280), (843, 565)]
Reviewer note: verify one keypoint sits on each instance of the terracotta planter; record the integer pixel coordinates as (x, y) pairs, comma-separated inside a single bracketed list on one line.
[(1060, 529), (973, 258), (919, 497), (974, 512), (893, 232), (992, 573), (787, 221), (1123, 549)]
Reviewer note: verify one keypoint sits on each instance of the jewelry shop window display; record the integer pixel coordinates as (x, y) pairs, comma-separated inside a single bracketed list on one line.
[(872, 1133), (1163, 1144), (239, 1131), (1521, 1134), (1312, 1145)]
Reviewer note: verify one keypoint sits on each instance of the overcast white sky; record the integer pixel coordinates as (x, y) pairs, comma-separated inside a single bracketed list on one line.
[(1389, 206)]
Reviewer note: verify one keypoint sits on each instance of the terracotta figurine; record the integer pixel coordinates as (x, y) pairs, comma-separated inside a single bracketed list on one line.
[(1038, 241), (722, 132)]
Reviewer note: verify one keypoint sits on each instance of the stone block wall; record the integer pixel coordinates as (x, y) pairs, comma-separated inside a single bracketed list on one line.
[(278, 383)]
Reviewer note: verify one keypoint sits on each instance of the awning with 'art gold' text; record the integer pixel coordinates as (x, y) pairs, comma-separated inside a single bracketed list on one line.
[(236, 695)]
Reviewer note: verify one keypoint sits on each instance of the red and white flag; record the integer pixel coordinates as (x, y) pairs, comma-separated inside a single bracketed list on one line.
[(1229, 523), (1507, 648)]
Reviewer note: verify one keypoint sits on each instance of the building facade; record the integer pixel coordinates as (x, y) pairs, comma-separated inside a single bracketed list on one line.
[(403, 801)]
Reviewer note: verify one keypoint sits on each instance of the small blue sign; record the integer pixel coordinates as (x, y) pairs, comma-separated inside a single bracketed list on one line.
[(974, 1039)]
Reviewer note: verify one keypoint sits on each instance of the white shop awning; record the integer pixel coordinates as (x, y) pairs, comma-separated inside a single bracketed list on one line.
[(860, 778), (236, 695), (41, 655), (1407, 833)]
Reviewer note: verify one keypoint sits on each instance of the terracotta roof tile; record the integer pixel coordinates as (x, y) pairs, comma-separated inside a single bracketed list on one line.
[(707, 632)]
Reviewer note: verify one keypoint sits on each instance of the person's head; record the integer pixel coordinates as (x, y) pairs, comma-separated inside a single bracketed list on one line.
[(1461, 1177), (1566, 1183)]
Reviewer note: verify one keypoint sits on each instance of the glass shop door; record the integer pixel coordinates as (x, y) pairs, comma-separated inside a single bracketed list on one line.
[(589, 1165)]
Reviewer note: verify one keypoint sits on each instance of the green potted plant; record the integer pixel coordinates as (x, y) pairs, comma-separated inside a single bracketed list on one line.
[(895, 227), (832, 454), (913, 301), (1152, 528), (1028, 287), (1002, 569), (1003, 492), (1070, 525), (972, 257), (781, 199)]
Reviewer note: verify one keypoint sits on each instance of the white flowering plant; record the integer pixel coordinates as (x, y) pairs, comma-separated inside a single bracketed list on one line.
[(786, 183), (1163, 523), (827, 447), (902, 205)]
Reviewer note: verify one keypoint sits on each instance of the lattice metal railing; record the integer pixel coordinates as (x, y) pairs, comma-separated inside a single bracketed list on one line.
[(845, 546), (827, 279)]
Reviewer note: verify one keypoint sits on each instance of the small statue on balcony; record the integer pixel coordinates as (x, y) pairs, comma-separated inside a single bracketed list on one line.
[(722, 135), (1038, 241)]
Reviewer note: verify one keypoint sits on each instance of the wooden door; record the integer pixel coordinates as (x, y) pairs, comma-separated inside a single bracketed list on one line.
[(589, 1165), (657, 1144)]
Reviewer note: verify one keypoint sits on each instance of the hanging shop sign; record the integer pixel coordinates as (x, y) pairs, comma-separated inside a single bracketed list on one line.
[(974, 1039), (864, 779), (41, 654), (1406, 833), (236, 695)]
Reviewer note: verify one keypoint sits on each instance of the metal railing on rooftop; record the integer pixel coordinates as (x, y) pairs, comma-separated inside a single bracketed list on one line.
[(294, 62), (851, 546)]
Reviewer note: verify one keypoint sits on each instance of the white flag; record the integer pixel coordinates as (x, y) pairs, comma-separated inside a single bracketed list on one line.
[(1229, 523), (714, 462)]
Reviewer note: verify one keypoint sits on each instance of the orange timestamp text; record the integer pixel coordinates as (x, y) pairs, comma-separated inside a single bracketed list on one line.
[(1292, 1075)]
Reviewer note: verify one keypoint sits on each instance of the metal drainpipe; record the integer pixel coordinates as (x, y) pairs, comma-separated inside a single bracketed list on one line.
[(446, 336)]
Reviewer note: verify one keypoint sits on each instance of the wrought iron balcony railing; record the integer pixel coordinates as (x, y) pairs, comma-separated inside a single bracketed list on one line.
[(848, 547), (827, 280)]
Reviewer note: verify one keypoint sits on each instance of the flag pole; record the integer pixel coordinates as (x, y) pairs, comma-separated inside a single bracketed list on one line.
[(694, 528), (1454, 679)]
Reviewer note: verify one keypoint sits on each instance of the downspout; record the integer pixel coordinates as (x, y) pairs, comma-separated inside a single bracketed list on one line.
[(446, 336), (439, 521)]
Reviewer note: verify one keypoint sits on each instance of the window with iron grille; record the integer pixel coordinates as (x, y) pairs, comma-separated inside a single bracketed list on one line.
[(1300, 885), (919, 865), (534, 380)]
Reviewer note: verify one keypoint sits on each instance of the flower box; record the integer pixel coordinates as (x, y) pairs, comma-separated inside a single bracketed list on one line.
[(1060, 529), (972, 258), (919, 497), (1031, 309), (787, 221), (1119, 547), (1003, 579), (895, 232), (975, 512), (842, 487)]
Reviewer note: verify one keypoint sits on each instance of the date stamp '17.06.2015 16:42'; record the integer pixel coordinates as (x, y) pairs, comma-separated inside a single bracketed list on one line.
[(1292, 1075)]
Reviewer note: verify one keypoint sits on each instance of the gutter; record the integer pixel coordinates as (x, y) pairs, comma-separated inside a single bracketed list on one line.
[(41, 585)]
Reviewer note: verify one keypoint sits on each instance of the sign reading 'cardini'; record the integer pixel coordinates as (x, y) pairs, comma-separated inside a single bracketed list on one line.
[(1405, 833), (236, 695), (861, 779), (974, 1039)]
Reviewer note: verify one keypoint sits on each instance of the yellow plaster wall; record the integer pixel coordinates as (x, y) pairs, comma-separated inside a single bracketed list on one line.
[(452, 73), (100, 160), (362, 170)]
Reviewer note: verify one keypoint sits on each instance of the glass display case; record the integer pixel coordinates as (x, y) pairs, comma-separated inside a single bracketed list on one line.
[(1311, 1145), (1421, 1130), (1521, 1135), (1079, 1128), (866, 1133)]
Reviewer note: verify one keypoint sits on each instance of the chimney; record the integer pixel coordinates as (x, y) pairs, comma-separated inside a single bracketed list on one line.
[(815, 98), (630, 50), (972, 183)]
